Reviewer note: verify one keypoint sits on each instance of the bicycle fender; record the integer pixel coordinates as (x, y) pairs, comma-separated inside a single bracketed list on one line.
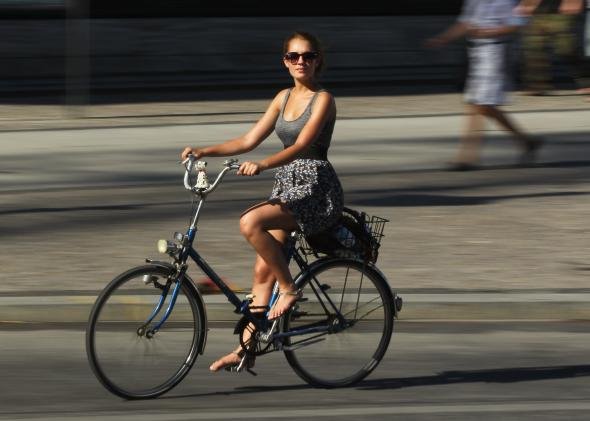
[(196, 293)]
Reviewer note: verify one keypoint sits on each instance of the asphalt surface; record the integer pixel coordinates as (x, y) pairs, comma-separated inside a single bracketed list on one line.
[(433, 371)]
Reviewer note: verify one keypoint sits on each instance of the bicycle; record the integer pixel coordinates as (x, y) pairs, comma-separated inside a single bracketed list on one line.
[(149, 324)]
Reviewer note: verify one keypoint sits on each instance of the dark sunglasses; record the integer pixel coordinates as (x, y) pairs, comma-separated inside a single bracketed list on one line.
[(293, 57)]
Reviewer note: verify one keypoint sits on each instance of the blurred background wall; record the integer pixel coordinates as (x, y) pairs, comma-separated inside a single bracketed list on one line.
[(50, 46)]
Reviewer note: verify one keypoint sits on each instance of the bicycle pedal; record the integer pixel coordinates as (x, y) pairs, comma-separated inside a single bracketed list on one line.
[(232, 368)]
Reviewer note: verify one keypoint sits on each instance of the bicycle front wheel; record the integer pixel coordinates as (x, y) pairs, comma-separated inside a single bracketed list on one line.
[(127, 356), (343, 325)]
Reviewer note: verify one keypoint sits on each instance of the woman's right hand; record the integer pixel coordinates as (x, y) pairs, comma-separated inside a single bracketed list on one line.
[(197, 153)]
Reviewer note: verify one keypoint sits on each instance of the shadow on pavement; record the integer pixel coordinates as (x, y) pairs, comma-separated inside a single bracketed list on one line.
[(401, 200), (242, 391), (502, 375)]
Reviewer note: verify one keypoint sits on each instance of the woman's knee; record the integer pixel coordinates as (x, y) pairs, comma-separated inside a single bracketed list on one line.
[(248, 224)]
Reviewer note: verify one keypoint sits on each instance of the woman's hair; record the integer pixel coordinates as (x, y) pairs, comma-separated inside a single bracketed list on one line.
[(316, 45)]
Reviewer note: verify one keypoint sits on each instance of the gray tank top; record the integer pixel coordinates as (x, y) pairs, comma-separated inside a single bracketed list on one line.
[(288, 131)]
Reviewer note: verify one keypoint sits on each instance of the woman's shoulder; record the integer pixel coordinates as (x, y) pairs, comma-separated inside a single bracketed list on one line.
[(325, 97), (282, 94), (279, 99)]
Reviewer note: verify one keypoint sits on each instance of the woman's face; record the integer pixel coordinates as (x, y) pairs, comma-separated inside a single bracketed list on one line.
[(301, 60)]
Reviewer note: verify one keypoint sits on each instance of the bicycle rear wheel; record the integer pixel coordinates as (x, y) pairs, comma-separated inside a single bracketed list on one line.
[(349, 347), (129, 359)]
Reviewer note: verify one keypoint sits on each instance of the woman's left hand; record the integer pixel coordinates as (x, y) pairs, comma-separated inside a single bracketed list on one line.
[(250, 168)]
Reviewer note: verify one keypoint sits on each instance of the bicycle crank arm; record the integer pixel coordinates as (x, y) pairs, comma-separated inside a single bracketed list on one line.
[(243, 365)]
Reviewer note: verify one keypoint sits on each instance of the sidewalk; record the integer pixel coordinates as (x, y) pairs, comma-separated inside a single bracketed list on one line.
[(248, 106), (563, 303)]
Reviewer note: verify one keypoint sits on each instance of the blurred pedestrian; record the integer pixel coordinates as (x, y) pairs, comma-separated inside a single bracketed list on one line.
[(550, 33), (488, 26), (584, 53)]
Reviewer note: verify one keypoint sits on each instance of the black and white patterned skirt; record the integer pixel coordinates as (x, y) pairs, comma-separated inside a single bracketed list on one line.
[(311, 190)]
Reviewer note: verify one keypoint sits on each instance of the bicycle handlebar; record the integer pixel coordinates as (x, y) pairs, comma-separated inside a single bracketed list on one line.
[(202, 186)]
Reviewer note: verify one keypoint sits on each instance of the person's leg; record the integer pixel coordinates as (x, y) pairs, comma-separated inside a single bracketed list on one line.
[(505, 122), (256, 226), (529, 144), (264, 278), (263, 282), (583, 54), (536, 74), (468, 153), (565, 43)]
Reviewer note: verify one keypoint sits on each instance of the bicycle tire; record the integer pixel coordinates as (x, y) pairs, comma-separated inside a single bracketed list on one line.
[(344, 357), (130, 364)]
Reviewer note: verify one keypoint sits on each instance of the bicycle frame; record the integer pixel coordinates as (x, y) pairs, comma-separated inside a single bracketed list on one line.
[(187, 251)]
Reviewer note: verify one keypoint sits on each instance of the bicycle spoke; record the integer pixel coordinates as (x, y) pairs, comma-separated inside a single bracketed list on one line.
[(359, 323), (136, 364)]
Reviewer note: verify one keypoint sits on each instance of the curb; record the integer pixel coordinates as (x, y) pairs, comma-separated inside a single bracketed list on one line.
[(417, 306)]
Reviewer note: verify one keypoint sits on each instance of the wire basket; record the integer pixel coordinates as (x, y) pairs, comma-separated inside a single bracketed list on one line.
[(356, 236), (376, 225)]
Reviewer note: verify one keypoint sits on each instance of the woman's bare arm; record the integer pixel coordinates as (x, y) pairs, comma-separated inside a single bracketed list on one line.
[(245, 143)]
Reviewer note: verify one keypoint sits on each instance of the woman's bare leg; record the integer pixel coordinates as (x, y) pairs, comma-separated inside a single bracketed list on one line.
[(256, 226), (262, 286), (261, 291)]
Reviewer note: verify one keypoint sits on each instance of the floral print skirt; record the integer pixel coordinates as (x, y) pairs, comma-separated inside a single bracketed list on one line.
[(311, 190)]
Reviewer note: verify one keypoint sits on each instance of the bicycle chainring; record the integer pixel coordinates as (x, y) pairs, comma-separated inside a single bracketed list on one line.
[(249, 338)]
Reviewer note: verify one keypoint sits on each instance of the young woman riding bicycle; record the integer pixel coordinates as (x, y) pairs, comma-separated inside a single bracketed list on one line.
[(307, 194)]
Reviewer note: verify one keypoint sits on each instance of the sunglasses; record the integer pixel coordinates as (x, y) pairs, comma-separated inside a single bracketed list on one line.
[(308, 56)]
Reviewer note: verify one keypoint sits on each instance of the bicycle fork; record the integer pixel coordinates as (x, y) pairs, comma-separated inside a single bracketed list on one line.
[(151, 279)]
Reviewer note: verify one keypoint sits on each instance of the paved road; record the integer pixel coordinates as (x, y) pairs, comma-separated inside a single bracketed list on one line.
[(459, 371)]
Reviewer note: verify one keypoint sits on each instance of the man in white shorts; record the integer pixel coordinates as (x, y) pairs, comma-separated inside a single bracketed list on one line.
[(488, 26)]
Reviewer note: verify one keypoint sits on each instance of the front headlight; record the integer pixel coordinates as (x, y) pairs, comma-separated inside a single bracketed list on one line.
[(167, 247)]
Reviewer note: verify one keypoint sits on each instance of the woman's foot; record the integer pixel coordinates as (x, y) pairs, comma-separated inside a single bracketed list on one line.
[(232, 359), (285, 301)]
